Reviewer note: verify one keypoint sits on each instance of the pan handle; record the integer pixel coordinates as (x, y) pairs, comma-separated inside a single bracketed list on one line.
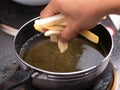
[(18, 79)]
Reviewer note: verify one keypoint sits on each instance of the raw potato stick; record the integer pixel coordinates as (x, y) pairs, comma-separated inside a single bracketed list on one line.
[(52, 33), (50, 21), (55, 25), (86, 33), (54, 37), (62, 46), (90, 36)]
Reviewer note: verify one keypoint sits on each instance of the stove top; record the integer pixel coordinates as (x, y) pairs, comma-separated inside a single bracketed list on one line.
[(13, 16), (105, 82)]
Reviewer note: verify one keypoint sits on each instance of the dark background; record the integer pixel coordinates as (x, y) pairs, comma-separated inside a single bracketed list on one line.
[(15, 14)]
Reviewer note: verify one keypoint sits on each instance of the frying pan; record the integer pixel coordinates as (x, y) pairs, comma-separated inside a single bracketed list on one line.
[(32, 2), (46, 80)]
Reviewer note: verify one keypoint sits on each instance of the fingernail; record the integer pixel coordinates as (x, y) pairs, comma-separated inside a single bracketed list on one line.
[(63, 40)]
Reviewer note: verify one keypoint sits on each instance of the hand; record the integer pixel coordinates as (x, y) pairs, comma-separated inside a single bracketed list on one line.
[(81, 14)]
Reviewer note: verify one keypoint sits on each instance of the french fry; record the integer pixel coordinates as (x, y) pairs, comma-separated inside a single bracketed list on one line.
[(63, 23), (104, 18), (52, 33), (54, 38), (90, 36), (55, 25), (86, 33), (62, 46), (50, 21)]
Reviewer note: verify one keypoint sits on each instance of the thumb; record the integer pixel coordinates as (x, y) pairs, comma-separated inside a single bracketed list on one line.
[(49, 10)]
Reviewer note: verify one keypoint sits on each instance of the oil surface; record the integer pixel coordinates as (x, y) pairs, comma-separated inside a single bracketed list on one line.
[(81, 54)]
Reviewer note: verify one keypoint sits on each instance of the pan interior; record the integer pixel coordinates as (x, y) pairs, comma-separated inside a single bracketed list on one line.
[(82, 54)]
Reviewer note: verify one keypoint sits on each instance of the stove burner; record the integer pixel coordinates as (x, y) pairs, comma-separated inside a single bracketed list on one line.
[(105, 82)]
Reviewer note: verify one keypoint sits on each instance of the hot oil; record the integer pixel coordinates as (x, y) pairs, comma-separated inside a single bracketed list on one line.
[(43, 54)]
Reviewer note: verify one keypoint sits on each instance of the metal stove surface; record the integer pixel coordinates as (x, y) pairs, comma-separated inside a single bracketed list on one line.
[(15, 15), (115, 56), (8, 64)]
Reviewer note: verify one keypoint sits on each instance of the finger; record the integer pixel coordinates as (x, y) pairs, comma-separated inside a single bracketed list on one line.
[(68, 34), (49, 10)]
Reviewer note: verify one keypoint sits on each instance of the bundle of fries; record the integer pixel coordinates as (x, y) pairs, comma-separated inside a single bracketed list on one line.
[(53, 27)]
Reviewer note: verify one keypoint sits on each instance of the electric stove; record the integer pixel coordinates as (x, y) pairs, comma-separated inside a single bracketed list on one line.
[(13, 16)]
